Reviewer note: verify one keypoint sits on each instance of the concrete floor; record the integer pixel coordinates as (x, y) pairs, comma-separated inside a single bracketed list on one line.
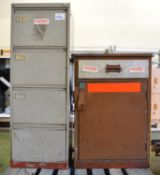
[(5, 155)]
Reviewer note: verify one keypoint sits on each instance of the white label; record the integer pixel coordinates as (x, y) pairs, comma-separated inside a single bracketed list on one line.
[(41, 21), (22, 18), (20, 57), (90, 69), (60, 16), (137, 69)]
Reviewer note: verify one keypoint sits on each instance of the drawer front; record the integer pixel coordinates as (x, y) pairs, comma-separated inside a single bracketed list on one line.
[(38, 145), (113, 69), (40, 28), (36, 67), (39, 106)]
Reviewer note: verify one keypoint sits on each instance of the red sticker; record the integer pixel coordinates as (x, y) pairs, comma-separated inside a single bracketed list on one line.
[(90, 69), (137, 69), (41, 21)]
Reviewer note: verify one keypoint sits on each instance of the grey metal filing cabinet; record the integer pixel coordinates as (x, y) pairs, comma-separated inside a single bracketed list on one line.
[(40, 85)]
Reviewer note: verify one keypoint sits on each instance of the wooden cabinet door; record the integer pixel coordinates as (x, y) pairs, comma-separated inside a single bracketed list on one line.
[(112, 121)]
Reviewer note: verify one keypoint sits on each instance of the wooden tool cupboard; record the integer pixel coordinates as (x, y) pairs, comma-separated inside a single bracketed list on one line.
[(112, 97)]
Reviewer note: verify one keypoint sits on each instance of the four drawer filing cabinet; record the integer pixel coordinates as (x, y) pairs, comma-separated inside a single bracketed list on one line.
[(39, 76)]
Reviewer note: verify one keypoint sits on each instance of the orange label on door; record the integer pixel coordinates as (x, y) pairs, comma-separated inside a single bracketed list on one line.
[(114, 87)]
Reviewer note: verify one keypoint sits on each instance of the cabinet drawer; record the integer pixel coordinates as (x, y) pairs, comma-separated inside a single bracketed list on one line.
[(39, 106), (38, 145)]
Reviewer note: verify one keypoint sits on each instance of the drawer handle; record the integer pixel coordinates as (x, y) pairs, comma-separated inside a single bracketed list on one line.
[(81, 100), (113, 68)]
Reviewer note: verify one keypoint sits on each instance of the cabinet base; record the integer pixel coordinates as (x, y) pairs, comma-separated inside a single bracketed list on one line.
[(61, 165), (80, 164)]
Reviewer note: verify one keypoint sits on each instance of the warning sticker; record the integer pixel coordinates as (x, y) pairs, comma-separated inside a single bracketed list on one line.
[(59, 16), (39, 29), (137, 69), (41, 21), (90, 69)]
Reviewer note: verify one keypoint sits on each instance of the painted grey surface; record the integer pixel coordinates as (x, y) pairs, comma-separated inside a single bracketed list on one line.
[(27, 171), (38, 145), (98, 172), (39, 67), (46, 172), (139, 171), (115, 172), (100, 66), (39, 106), (26, 33), (64, 172), (80, 172), (133, 171)]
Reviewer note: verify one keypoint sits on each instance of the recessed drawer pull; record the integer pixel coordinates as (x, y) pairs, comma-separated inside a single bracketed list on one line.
[(113, 68)]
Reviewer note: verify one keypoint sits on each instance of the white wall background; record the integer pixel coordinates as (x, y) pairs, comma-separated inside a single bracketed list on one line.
[(99, 23)]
